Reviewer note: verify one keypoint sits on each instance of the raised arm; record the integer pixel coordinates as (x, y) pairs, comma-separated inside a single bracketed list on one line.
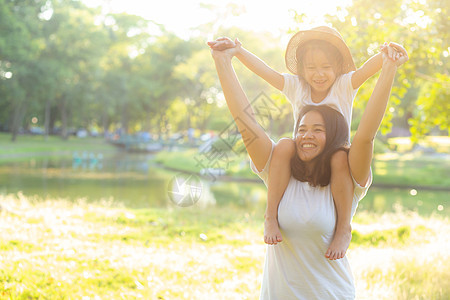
[(251, 61), (361, 150), (367, 70), (256, 141)]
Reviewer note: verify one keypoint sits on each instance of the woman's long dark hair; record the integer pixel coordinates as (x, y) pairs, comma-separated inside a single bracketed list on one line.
[(336, 132)]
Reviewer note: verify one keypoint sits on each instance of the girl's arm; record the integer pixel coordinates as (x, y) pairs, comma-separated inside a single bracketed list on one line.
[(369, 68), (361, 150), (256, 141), (251, 61)]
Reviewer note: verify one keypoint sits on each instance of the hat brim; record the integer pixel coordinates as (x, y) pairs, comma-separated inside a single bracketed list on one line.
[(302, 37)]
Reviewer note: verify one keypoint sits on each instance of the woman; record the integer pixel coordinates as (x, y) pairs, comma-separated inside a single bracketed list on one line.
[(297, 268)]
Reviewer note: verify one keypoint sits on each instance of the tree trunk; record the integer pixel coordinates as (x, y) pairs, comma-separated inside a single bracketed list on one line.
[(18, 115), (47, 119), (105, 124), (125, 119), (63, 109)]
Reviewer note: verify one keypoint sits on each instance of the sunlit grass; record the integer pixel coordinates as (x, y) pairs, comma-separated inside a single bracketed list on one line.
[(426, 278), (193, 161), (393, 169), (411, 169), (440, 143), (36, 146), (55, 249)]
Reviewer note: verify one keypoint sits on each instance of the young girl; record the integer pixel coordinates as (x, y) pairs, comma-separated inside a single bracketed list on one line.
[(324, 73)]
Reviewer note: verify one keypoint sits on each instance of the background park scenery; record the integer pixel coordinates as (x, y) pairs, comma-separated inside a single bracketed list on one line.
[(122, 175)]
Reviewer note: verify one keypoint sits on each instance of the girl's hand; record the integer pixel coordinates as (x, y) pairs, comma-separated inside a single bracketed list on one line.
[(389, 51)]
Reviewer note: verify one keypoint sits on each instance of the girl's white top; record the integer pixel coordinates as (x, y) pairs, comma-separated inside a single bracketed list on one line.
[(340, 97), (297, 267)]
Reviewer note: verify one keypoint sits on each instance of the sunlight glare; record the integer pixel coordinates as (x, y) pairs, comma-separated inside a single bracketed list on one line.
[(182, 16)]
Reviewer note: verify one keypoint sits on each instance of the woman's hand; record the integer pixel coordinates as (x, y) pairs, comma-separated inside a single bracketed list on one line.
[(224, 43), (400, 53), (224, 47), (394, 54), (223, 54)]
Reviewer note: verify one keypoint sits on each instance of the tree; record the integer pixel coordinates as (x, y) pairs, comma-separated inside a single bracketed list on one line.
[(19, 50), (422, 27), (158, 85), (74, 45)]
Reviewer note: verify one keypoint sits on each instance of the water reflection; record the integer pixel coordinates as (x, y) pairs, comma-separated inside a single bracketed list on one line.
[(424, 202), (134, 181), (91, 161), (93, 176)]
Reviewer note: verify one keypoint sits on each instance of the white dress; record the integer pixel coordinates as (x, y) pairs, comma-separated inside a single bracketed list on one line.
[(297, 268)]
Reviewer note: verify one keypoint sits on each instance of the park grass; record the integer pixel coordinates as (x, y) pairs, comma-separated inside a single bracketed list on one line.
[(390, 169), (37, 146), (440, 144), (412, 169), (193, 161), (55, 249)]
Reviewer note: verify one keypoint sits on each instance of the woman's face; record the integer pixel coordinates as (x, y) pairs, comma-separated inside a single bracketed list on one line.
[(311, 136)]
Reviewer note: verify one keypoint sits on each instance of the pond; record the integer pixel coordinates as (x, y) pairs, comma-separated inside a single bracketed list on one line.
[(133, 180)]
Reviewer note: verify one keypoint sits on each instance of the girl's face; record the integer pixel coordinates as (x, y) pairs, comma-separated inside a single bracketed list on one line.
[(311, 136), (319, 72)]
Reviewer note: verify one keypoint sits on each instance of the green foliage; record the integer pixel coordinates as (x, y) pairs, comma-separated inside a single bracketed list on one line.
[(72, 66), (433, 107), (422, 29)]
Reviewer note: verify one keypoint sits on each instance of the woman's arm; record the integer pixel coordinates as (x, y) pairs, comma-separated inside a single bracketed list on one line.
[(256, 141), (251, 61), (361, 150)]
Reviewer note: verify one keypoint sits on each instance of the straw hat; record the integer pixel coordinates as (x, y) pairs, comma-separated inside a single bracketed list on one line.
[(324, 33)]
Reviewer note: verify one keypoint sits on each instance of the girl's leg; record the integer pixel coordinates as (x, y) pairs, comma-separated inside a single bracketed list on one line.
[(342, 191), (279, 175)]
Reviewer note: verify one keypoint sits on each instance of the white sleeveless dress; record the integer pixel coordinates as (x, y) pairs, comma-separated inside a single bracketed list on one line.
[(297, 268)]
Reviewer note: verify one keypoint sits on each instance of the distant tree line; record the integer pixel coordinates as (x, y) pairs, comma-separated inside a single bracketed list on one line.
[(64, 66)]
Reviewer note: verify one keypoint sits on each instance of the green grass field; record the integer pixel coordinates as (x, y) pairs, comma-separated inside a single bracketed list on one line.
[(55, 249), (59, 250), (36, 146)]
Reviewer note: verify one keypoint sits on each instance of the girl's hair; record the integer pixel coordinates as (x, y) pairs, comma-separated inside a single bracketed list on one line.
[(336, 133), (332, 53)]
